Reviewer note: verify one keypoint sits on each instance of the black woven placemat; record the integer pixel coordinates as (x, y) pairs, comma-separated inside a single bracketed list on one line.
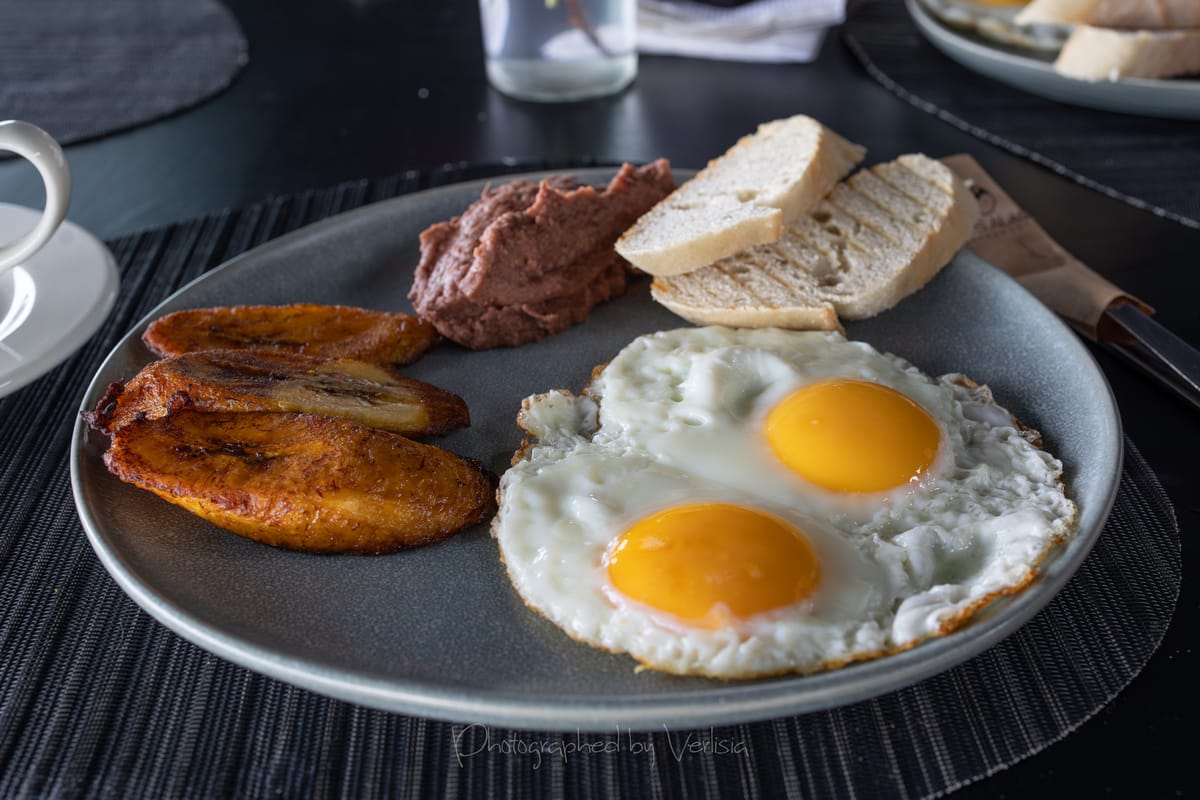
[(1150, 163), (85, 68), (97, 699)]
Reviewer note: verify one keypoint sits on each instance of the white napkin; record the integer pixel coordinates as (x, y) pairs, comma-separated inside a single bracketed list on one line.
[(763, 30)]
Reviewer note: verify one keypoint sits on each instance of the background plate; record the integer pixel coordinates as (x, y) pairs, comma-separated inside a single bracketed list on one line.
[(439, 631), (1177, 98)]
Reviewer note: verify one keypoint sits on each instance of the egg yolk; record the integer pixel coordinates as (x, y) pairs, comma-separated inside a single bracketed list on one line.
[(707, 562), (852, 436)]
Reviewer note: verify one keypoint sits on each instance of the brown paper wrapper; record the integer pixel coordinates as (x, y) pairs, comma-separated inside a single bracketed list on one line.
[(1009, 238)]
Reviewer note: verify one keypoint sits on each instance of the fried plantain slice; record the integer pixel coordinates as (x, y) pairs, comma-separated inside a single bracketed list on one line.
[(260, 380), (380, 337), (302, 481)]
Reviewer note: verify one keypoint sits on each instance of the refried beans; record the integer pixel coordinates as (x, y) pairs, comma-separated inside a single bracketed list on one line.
[(528, 259)]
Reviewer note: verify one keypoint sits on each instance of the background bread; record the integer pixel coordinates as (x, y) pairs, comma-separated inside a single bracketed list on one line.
[(875, 239), (1099, 54), (1150, 14), (742, 198)]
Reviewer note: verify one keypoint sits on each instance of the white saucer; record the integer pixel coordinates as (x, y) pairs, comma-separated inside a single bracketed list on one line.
[(53, 302)]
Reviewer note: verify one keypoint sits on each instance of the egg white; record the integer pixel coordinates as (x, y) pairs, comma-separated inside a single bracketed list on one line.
[(676, 418)]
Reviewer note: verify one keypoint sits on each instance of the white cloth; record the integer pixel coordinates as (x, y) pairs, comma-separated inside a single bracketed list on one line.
[(762, 30)]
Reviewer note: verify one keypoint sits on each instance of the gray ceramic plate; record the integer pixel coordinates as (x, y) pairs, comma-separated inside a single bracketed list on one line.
[(1034, 74), (438, 631)]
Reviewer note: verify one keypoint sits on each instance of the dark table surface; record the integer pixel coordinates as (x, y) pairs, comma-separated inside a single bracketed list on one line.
[(359, 88)]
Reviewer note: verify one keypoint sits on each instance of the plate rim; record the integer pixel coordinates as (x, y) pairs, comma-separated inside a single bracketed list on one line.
[(738, 702)]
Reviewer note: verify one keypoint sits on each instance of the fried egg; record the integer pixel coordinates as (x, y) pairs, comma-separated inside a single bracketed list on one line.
[(736, 503), (997, 20)]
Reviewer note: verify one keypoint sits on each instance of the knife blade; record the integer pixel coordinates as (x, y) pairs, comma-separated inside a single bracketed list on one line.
[(1155, 349)]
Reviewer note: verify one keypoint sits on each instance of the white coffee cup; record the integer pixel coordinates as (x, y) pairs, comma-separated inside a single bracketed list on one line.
[(38, 147)]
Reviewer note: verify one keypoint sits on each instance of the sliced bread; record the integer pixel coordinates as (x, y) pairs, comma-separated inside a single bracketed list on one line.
[(1100, 54), (743, 198), (1151, 14), (875, 239)]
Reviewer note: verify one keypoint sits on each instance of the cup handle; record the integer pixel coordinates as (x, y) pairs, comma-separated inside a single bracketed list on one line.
[(36, 145)]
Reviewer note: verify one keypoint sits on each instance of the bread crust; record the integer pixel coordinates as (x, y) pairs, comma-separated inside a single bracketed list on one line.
[(800, 318)]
